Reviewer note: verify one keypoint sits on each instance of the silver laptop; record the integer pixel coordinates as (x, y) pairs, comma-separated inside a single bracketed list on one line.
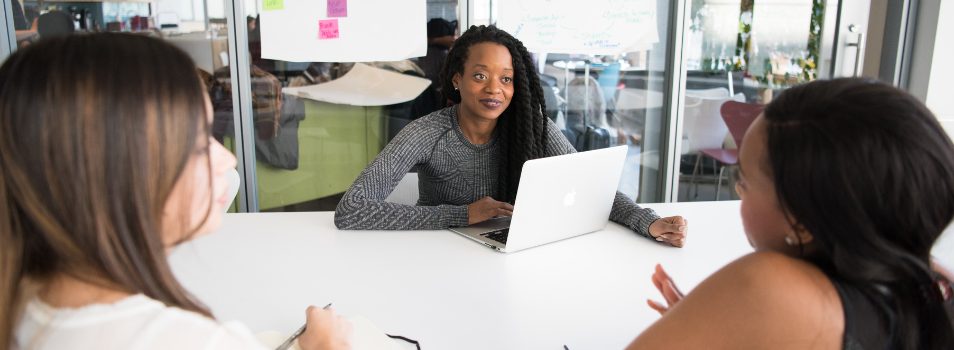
[(559, 197)]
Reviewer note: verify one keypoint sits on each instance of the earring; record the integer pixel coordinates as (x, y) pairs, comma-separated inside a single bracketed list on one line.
[(456, 88), (791, 240)]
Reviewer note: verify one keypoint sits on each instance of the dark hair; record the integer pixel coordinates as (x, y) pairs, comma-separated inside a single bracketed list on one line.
[(54, 24), (95, 131), (438, 27), (522, 127), (869, 172)]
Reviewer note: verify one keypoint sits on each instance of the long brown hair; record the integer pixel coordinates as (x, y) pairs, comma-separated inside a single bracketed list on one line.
[(95, 131)]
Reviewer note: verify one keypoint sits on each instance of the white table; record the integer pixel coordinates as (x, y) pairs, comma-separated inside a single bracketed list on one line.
[(448, 292)]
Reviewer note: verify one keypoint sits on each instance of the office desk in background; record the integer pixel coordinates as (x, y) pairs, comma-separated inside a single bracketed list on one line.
[(448, 292)]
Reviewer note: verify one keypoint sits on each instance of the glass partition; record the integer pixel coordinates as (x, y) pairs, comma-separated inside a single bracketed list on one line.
[(619, 98), (743, 51), (198, 27), (309, 151)]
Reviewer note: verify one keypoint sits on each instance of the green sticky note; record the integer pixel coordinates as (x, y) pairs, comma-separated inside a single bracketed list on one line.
[(270, 5)]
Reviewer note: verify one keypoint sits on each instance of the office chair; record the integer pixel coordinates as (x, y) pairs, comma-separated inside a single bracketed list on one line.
[(737, 116)]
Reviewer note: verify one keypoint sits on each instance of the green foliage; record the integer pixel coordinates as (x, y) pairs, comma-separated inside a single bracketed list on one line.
[(809, 69)]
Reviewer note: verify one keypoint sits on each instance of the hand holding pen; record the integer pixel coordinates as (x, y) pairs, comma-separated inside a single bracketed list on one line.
[(324, 330)]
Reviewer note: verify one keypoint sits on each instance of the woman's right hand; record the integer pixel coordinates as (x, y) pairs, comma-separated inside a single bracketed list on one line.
[(667, 287), (325, 330), (487, 208)]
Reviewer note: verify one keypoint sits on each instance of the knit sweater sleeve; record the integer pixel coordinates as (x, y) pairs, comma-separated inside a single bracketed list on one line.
[(625, 212), (363, 207)]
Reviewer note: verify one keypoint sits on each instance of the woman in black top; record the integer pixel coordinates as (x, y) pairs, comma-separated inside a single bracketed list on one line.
[(845, 186)]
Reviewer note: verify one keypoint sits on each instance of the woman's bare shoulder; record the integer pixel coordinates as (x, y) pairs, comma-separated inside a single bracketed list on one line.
[(760, 300)]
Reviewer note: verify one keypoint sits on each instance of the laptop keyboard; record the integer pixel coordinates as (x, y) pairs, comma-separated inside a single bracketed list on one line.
[(498, 235)]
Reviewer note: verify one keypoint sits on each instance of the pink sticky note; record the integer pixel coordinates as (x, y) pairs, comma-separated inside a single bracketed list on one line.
[(328, 29), (337, 8)]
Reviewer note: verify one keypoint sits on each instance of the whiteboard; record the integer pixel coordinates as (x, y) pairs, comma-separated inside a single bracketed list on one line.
[(596, 27), (363, 31)]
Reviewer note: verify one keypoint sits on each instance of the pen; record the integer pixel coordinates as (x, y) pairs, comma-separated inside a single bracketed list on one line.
[(288, 343)]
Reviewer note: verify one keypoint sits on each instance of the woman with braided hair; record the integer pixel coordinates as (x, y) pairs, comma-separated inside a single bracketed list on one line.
[(469, 156)]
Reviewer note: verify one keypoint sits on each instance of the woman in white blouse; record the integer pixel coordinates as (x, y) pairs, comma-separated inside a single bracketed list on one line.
[(106, 162)]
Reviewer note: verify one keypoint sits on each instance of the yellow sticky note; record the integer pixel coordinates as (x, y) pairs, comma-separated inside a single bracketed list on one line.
[(270, 5)]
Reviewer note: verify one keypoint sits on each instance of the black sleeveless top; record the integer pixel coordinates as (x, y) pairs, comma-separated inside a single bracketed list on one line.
[(866, 326)]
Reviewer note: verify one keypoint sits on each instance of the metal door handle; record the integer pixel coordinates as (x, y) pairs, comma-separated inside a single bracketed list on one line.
[(853, 29)]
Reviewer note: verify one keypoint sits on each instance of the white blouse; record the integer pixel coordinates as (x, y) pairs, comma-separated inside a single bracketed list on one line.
[(135, 322)]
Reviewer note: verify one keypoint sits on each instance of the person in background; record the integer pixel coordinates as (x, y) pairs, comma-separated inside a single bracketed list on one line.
[(101, 175), (255, 46), (20, 22), (23, 27), (440, 38), (469, 155), (845, 186)]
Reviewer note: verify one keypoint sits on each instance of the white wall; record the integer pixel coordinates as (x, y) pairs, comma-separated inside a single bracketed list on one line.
[(932, 74), (932, 80), (940, 91)]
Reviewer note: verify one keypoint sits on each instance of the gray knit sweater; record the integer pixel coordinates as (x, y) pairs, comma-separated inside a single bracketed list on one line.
[(452, 173)]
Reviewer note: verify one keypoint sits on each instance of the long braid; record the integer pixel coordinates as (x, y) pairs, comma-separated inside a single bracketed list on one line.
[(536, 104), (522, 127), (524, 134)]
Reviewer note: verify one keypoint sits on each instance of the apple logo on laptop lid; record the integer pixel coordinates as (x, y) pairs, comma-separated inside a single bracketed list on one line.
[(570, 198)]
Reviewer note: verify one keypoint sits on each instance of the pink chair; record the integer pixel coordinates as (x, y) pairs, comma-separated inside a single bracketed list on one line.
[(737, 117)]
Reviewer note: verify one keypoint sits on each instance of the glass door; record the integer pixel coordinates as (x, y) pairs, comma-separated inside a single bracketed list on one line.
[(741, 53)]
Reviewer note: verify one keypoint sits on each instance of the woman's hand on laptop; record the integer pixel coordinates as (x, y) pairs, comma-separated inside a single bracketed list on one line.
[(671, 230), (487, 208)]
